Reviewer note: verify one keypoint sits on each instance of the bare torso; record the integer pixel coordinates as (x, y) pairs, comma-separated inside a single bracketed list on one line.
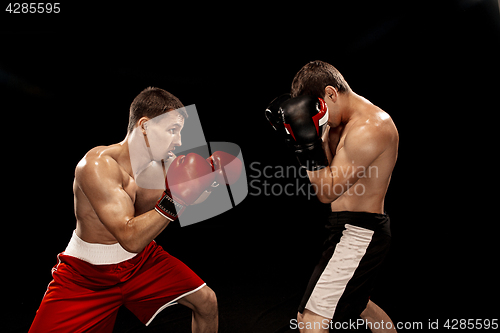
[(369, 191), (88, 226)]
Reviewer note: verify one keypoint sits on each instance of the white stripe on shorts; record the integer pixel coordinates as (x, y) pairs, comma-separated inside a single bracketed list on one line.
[(339, 270)]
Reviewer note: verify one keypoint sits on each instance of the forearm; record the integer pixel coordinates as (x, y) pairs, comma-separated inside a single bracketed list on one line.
[(139, 231), (323, 182)]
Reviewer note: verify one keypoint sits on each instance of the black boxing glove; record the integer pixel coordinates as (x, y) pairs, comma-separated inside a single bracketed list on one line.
[(304, 119), (275, 116)]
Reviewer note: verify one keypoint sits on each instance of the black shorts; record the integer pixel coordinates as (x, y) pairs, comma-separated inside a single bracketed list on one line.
[(341, 283)]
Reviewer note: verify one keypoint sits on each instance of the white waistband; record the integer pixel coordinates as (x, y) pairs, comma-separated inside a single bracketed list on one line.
[(97, 254)]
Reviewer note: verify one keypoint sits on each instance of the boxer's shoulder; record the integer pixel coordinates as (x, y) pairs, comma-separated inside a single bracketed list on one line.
[(374, 127), (100, 166)]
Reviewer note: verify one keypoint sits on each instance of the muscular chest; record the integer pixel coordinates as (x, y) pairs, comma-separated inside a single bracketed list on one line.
[(145, 196), (143, 199)]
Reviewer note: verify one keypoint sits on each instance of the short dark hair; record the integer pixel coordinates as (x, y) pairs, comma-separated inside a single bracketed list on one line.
[(313, 78), (152, 102)]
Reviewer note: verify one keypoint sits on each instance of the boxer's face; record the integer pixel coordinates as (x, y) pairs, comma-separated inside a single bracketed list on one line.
[(164, 134)]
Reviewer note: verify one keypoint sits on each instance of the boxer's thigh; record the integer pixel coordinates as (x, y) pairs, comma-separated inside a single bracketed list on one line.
[(70, 308), (161, 281)]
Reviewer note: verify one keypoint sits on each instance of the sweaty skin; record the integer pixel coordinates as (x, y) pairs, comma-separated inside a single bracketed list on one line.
[(361, 142), (109, 206)]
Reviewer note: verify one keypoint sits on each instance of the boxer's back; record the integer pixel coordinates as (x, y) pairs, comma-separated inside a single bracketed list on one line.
[(369, 191)]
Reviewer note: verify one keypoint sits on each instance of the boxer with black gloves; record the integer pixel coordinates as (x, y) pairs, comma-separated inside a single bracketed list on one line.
[(350, 165), (274, 115), (304, 119), (301, 121)]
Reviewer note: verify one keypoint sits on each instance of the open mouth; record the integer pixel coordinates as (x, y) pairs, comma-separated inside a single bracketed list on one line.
[(170, 153)]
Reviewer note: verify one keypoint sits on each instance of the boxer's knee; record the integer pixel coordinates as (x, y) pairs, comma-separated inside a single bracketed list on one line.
[(203, 302), (206, 302)]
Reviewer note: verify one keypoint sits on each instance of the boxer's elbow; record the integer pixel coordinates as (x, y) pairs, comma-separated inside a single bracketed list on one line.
[(131, 246), (127, 238), (325, 198)]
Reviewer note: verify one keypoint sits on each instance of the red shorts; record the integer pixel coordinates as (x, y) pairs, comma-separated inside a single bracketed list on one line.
[(85, 298)]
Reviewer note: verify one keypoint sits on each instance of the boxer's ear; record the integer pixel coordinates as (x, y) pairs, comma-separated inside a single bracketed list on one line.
[(331, 94), (141, 123)]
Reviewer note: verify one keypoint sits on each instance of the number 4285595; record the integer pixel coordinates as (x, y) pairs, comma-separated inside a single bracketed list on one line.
[(33, 7)]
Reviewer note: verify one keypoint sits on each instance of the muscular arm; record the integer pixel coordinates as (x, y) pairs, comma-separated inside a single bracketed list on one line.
[(101, 180), (361, 147)]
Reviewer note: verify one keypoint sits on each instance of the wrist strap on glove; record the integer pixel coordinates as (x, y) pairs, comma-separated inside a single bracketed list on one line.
[(168, 207)]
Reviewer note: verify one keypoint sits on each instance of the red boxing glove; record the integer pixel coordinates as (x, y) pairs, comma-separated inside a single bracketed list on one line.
[(187, 178), (223, 162)]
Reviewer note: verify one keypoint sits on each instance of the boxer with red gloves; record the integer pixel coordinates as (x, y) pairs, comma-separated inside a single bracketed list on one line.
[(190, 179), (187, 178), (112, 258), (226, 166)]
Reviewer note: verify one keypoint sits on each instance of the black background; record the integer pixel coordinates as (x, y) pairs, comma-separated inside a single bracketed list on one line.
[(67, 80)]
